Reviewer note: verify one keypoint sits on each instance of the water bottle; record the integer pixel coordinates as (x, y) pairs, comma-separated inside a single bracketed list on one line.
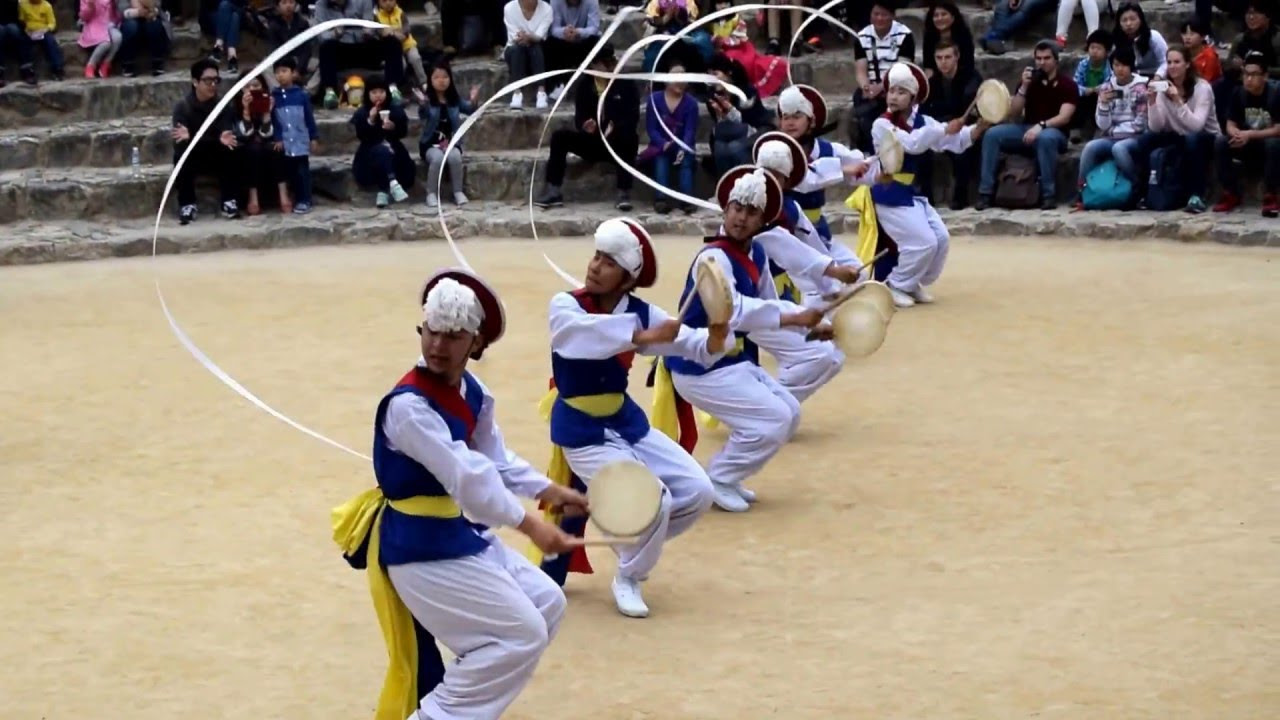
[(135, 160)]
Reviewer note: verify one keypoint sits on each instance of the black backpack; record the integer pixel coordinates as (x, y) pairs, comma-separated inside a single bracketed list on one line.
[(1165, 190)]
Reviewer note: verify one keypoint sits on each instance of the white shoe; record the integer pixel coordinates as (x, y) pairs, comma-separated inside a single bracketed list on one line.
[(727, 498), (433, 200), (745, 494), (460, 199), (541, 101), (626, 595), (922, 295), (557, 92), (398, 193), (517, 100), (901, 299)]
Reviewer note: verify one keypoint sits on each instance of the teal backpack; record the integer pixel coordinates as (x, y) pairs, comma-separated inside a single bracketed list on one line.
[(1106, 188)]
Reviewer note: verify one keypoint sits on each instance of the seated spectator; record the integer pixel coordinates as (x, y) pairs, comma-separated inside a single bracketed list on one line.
[(388, 13), (295, 133), (347, 48), (1046, 99), (1252, 138), (951, 93), (1233, 9), (1259, 36), (528, 23), (1093, 71), (1066, 9), (669, 17), (671, 114), (774, 27), (1148, 45), (100, 35), (618, 122), (226, 25), (884, 42), (1183, 117), (214, 154), (736, 124), (11, 44), (1203, 56), (1121, 116), (442, 111), (575, 27), (143, 23), (944, 24), (732, 39), (253, 129), (286, 24), (1009, 18), (382, 161), (472, 26), (40, 30)]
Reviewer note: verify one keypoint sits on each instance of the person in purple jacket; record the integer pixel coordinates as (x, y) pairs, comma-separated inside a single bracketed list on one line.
[(672, 145)]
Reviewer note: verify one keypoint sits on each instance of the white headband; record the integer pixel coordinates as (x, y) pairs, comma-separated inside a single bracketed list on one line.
[(901, 76), (452, 306), (793, 101), (751, 190), (615, 239), (775, 155)]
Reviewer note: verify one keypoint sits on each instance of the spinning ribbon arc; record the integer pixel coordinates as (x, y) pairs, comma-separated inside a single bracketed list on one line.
[(205, 361)]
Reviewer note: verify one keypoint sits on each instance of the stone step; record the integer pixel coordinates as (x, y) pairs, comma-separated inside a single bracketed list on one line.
[(82, 193), (54, 241)]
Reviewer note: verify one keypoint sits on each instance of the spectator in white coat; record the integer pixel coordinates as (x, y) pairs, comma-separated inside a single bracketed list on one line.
[(528, 23)]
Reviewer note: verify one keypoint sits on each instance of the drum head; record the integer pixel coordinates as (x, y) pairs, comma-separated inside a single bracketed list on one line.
[(714, 291), (625, 498), (859, 328), (993, 101), (876, 294), (891, 154)]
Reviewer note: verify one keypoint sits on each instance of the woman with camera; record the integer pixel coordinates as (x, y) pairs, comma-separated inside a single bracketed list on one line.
[(1181, 115), (736, 124), (1121, 118)]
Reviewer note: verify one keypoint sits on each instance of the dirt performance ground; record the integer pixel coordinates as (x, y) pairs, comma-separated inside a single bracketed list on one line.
[(1052, 494)]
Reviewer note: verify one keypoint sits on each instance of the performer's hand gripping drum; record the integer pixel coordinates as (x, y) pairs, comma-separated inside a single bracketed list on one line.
[(625, 499)]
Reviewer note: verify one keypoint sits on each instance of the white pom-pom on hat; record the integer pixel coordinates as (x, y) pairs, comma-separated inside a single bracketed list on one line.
[(792, 100), (776, 156), (616, 239), (452, 307), (751, 190), (901, 76)]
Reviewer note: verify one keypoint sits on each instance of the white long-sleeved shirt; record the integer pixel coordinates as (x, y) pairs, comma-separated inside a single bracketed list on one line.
[(578, 334), (827, 171), (932, 136), (538, 26), (805, 264), (483, 477)]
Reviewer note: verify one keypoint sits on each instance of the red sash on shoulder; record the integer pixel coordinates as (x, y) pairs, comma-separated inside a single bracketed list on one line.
[(448, 398), (892, 118), (736, 254)]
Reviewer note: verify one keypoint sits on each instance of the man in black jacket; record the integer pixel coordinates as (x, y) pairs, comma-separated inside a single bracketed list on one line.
[(951, 92), (214, 153), (619, 123), (11, 42)]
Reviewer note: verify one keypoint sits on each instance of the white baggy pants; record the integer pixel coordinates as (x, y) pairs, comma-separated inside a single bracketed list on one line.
[(923, 243), (760, 413), (803, 366), (496, 612), (686, 491)]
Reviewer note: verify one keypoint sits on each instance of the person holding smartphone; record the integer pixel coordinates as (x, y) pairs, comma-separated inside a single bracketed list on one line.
[(1121, 117)]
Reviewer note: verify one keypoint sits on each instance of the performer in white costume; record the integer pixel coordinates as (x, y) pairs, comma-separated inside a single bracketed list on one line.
[(760, 413), (802, 115), (908, 218), (596, 332), (794, 246), (445, 476)]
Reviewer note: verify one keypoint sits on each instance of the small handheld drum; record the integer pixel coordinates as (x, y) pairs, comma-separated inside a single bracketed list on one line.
[(878, 295), (714, 290), (891, 154), (859, 328), (992, 101), (625, 499)]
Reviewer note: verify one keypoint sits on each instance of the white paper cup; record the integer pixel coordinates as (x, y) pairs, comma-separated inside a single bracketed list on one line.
[(385, 114)]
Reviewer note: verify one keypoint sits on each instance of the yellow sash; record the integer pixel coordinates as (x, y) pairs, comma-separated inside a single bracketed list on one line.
[(868, 232), (663, 415), (558, 472), (814, 214), (360, 518)]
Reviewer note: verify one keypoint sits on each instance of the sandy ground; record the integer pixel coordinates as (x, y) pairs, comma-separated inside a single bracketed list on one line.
[(1052, 494)]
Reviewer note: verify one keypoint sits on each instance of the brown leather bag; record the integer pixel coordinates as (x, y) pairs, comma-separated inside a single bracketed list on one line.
[(1017, 182)]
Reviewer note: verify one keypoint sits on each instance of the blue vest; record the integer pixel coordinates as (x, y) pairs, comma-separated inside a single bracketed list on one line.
[(574, 377), (813, 200), (745, 279), (898, 193), (410, 538)]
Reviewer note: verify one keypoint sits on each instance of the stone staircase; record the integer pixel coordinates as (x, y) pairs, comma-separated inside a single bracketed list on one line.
[(65, 146)]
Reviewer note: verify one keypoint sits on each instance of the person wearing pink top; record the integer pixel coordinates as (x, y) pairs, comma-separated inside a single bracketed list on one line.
[(100, 35), (1181, 114)]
